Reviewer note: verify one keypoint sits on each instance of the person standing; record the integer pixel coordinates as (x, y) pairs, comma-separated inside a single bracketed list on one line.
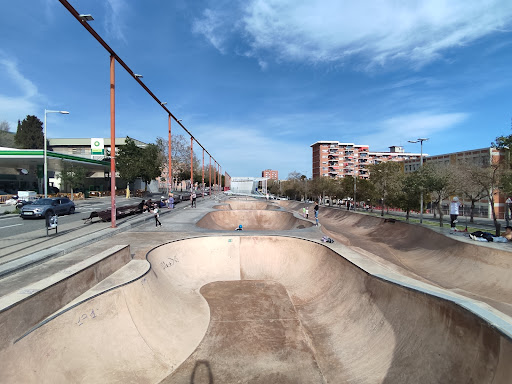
[(307, 212), (193, 198), (156, 212), (508, 209), (171, 201), (454, 212), (316, 211)]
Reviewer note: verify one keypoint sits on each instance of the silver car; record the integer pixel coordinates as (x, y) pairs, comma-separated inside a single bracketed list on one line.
[(48, 207)]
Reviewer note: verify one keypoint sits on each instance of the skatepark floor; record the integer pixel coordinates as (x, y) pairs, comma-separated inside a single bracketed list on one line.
[(278, 305)]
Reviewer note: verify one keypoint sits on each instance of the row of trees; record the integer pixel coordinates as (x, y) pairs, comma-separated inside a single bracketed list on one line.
[(147, 163), (390, 186)]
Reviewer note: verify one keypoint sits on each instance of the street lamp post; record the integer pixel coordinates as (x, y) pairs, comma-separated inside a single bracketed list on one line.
[(45, 177), (421, 140)]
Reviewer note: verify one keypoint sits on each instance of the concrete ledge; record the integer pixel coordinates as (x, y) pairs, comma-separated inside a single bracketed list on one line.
[(21, 310)]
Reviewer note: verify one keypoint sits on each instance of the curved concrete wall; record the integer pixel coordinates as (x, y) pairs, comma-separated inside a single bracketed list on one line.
[(260, 309), (246, 205), (463, 267), (255, 220)]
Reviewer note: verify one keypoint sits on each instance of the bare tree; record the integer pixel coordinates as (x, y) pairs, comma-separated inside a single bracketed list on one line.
[(489, 178), (466, 175), (4, 126), (438, 180), (386, 180)]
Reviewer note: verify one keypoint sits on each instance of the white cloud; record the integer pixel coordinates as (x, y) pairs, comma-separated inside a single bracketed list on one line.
[(19, 95), (114, 24), (332, 31), (398, 129), (212, 26)]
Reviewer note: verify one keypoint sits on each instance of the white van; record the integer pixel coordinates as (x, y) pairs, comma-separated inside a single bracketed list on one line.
[(27, 195)]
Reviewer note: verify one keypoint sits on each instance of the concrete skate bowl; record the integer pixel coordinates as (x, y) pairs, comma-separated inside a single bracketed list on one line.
[(466, 268), (240, 309), (256, 220), (233, 204)]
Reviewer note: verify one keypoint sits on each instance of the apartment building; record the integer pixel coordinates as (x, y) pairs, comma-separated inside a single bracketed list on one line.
[(270, 174), (481, 157), (338, 160)]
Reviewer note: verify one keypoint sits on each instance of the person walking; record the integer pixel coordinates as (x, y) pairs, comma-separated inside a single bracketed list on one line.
[(454, 212), (307, 212), (193, 199), (316, 211), (156, 212)]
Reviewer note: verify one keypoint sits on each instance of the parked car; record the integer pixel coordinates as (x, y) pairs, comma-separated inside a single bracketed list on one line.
[(51, 206)]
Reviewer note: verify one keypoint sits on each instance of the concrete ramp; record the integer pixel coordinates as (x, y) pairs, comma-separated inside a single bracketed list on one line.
[(253, 220), (246, 205), (463, 267), (260, 309)]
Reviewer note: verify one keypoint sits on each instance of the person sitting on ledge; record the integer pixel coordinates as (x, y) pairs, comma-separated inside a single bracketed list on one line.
[(486, 236)]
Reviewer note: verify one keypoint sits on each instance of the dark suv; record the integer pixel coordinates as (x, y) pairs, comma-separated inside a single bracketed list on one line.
[(48, 207)]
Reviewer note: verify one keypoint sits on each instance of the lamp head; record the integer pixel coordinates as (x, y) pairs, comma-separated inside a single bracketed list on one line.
[(86, 17)]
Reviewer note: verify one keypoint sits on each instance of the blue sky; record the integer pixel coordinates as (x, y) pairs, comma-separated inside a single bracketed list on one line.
[(258, 81)]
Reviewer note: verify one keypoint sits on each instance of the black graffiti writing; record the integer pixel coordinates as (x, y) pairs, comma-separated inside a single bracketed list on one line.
[(169, 262), (83, 317)]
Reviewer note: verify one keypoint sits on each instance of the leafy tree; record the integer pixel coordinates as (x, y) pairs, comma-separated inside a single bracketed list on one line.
[(324, 186), (386, 180), (366, 191), (150, 164), (408, 196), (29, 134), (73, 176), (129, 161), (274, 187)]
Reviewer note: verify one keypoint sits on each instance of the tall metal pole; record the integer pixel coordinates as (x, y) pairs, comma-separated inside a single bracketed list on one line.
[(45, 175), (210, 178), (191, 163), (112, 142), (169, 181), (202, 181), (421, 194)]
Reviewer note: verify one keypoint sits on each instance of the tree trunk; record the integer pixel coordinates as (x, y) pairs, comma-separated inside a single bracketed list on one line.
[(496, 224), (72, 196), (440, 214), (407, 215), (472, 213)]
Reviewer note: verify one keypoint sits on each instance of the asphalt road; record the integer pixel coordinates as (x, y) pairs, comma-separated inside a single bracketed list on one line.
[(14, 225)]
